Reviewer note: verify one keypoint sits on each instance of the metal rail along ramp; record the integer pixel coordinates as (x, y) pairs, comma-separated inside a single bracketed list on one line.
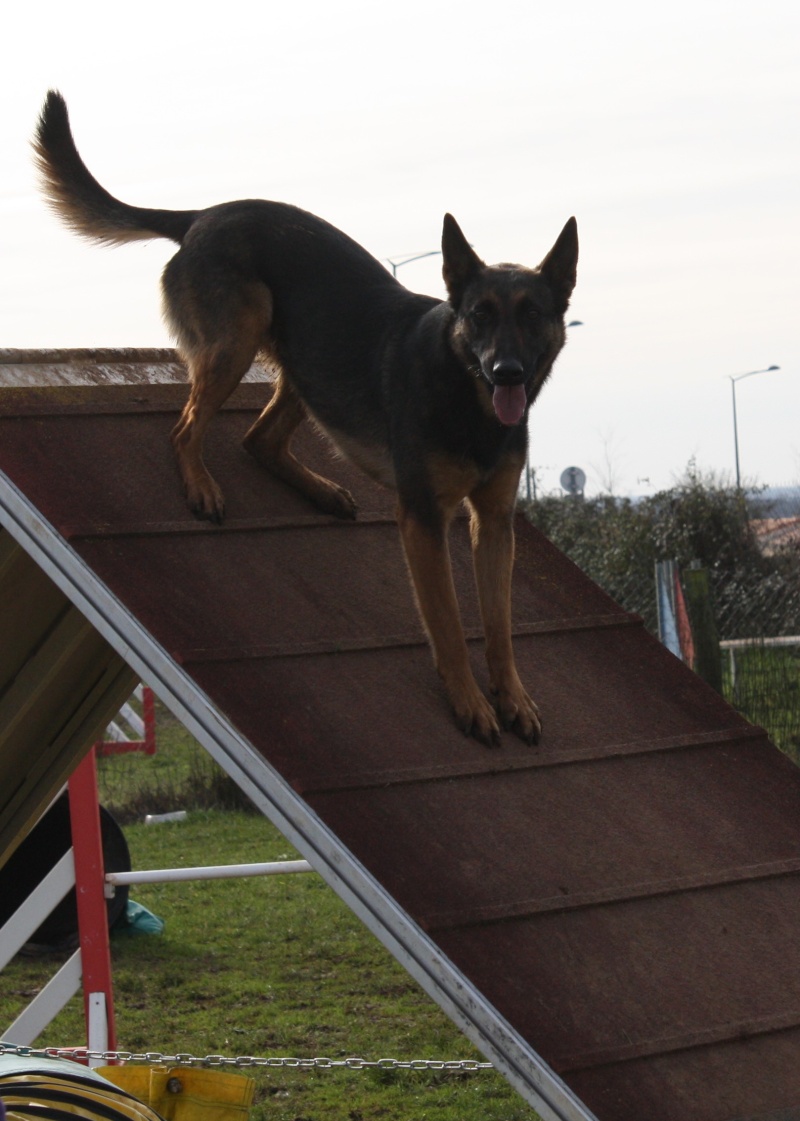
[(612, 916)]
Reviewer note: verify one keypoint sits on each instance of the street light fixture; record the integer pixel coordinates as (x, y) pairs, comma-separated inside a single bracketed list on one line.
[(733, 380), (408, 258)]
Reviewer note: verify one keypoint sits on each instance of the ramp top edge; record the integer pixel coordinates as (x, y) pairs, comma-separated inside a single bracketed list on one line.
[(99, 366)]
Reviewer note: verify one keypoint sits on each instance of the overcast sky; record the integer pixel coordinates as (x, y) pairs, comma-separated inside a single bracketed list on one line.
[(672, 133)]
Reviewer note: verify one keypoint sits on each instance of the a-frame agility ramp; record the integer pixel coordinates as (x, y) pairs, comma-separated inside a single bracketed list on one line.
[(613, 917)]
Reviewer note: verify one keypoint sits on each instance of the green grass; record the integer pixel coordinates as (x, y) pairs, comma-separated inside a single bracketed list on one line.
[(269, 966), (180, 775), (272, 966)]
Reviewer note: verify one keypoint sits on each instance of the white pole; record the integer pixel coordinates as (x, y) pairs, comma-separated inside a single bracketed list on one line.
[(220, 872), (98, 1026)]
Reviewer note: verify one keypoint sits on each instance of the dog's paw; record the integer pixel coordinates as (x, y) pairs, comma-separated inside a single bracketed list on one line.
[(206, 502), (475, 716), (518, 713), (335, 500)]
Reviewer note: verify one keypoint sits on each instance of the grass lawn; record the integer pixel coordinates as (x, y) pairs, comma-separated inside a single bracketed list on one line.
[(272, 966)]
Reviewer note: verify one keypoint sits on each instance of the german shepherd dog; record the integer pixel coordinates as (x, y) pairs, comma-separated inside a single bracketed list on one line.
[(430, 398)]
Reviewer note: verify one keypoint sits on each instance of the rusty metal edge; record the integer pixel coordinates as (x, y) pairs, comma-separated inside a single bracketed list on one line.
[(99, 366), (18, 356), (523, 1068)]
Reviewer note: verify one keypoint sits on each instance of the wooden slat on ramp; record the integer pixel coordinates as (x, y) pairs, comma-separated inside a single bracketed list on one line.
[(611, 916)]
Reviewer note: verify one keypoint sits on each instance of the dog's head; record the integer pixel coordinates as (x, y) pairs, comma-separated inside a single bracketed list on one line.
[(509, 320)]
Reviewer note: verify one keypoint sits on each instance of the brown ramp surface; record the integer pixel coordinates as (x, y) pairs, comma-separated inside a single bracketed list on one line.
[(611, 916)]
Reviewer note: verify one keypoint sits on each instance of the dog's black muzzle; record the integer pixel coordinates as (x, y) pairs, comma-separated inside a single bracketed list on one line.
[(508, 371)]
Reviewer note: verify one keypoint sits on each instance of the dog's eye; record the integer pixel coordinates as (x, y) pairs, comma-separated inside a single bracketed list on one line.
[(481, 314)]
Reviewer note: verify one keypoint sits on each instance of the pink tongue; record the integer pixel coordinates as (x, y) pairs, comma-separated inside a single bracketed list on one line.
[(509, 403)]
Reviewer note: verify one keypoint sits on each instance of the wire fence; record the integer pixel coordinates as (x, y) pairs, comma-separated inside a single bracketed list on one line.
[(755, 605), (758, 635), (179, 775)]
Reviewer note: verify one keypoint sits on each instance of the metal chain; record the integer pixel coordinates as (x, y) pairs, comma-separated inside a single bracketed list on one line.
[(240, 1061)]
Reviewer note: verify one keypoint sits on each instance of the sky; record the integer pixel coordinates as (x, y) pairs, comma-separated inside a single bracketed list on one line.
[(671, 132)]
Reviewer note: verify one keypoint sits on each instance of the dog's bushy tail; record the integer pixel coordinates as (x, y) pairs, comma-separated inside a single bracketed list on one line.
[(78, 198)]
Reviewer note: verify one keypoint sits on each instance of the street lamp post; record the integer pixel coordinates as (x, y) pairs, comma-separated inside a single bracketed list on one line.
[(733, 380)]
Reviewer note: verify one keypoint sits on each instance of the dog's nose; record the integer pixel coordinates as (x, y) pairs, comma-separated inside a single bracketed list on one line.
[(507, 371)]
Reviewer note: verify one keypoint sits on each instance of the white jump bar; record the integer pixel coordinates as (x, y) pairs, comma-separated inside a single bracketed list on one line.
[(220, 872)]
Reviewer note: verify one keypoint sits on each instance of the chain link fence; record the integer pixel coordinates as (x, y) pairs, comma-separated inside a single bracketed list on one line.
[(754, 579)]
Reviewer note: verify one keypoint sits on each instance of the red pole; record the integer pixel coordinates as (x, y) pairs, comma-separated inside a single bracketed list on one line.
[(149, 717), (89, 890)]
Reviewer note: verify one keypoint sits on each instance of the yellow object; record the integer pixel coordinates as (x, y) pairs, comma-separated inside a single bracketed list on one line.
[(186, 1093), (32, 1089)]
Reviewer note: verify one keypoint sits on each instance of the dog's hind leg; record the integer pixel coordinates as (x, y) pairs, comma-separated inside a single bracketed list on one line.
[(269, 441), (214, 376), (492, 529), (221, 323)]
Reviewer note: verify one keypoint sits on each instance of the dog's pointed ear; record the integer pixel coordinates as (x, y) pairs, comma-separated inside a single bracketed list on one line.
[(560, 266), (460, 261)]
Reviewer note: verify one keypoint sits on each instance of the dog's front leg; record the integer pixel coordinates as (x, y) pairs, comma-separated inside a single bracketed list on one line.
[(428, 558), (492, 529)]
